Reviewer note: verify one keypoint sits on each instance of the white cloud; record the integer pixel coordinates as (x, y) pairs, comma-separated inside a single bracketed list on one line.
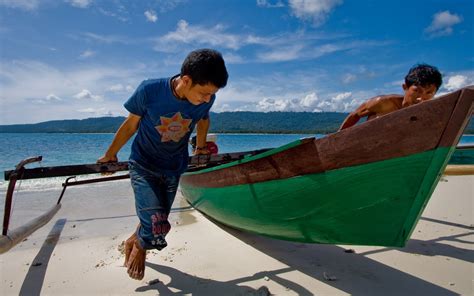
[(456, 82), (109, 39), (197, 35), (442, 24), (96, 111), (281, 54), (341, 102), (151, 16), (315, 10), (21, 4), (116, 88), (270, 4), (119, 88), (87, 95), (48, 84), (51, 98), (80, 3), (348, 78), (87, 54), (43, 80)]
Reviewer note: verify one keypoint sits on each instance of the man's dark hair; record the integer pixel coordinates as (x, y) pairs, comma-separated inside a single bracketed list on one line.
[(423, 75), (205, 66)]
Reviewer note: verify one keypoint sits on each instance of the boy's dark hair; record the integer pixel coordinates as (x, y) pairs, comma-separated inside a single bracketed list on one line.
[(423, 75), (205, 66)]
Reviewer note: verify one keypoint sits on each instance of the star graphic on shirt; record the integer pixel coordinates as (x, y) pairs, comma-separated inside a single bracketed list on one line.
[(173, 128)]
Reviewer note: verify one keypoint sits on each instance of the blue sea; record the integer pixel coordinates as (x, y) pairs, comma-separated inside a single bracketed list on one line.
[(66, 149)]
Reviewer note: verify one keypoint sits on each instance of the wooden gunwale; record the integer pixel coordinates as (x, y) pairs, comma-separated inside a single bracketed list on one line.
[(436, 124)]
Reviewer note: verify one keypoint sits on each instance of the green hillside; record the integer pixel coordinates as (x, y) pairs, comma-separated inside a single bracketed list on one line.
[(226, 122)]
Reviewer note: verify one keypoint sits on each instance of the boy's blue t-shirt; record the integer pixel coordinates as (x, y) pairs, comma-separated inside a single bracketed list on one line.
[(161, 143)]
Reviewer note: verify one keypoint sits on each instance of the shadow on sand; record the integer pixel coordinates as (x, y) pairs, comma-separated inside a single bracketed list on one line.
[(353, 273), (186, 284), (34, 279)]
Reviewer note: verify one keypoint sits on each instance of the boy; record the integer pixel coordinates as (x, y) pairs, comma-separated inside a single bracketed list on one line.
[(164, 112), (421, 84)]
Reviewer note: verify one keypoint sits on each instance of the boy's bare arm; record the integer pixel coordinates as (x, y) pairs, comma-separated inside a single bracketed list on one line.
[(202, 128), (123, 134)]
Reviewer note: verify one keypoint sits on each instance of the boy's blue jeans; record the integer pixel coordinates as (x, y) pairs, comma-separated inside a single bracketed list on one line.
[(154, 195)]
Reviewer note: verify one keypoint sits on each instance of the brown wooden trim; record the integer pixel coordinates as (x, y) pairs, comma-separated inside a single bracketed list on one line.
[(459, 119), (459, 170), (408, 131)]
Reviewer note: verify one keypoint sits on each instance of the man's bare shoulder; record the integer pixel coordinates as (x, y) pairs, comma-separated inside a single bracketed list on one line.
[(385, 103)]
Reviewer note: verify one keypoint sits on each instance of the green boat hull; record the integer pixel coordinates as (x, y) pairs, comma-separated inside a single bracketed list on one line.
[(334, 207), (366, 185)]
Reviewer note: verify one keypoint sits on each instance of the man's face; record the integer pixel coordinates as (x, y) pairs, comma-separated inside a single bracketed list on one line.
[(198, 94), (417, 93)]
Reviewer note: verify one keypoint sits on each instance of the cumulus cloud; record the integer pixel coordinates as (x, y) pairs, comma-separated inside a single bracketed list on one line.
[(442, 24), (58, 87), (315, 10), (87, 95), (151, 16), (51, 98), (341, 102), (456, 82)]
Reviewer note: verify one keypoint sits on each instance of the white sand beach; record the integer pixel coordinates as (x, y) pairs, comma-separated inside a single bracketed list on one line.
[(78, 253)]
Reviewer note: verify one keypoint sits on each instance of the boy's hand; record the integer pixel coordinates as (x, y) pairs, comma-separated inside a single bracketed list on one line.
[(201, 151), (106, 159)]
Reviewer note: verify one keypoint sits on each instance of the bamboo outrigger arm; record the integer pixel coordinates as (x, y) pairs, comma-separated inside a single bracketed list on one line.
[(10, 238)]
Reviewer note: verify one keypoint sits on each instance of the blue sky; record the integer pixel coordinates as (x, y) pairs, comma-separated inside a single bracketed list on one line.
[(72, 59)]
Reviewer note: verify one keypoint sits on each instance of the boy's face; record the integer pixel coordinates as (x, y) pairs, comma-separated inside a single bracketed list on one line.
[(198, 94), (417, 93)]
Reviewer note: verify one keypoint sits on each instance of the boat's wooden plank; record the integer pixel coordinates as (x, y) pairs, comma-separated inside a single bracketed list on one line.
[(412, 130), (460, 118)]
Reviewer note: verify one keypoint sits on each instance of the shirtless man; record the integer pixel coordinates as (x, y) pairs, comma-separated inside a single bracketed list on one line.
[(421, 84)]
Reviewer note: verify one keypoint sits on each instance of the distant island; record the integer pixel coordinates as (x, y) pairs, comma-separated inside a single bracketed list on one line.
[(224, 122)]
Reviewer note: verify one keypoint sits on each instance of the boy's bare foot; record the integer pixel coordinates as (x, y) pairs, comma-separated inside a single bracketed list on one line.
[(128, 247), (136, 262)]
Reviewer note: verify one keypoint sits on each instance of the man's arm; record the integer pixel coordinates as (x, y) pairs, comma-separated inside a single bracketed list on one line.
[(202, 128), (356, 115), (377, 106), (123, 134)]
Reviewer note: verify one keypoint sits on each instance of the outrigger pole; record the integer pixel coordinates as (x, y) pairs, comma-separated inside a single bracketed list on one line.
[(10, 238)]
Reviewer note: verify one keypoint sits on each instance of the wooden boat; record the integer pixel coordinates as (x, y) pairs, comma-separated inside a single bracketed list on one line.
[(366, 185)]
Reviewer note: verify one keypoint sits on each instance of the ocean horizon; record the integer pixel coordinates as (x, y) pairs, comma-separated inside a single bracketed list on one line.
[(68, 149)]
